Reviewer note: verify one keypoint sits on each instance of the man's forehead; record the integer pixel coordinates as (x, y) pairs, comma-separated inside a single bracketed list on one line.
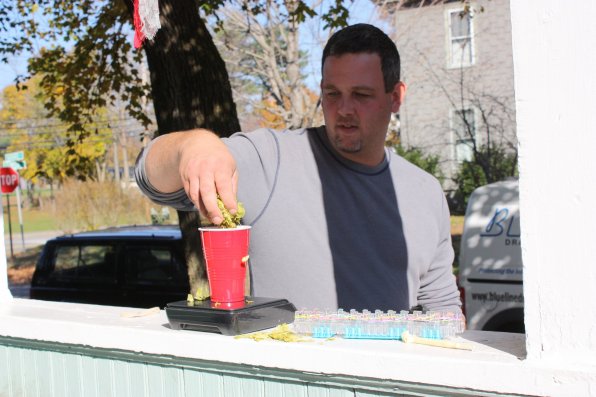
[(358, 70), (372, 56), (325, 84)]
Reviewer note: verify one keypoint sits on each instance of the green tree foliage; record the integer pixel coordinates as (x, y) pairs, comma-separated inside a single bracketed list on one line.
[(416, 156), (489, 165), (86, 63), (44, 140)]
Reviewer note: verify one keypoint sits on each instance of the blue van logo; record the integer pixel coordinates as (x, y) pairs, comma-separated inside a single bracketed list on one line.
[(501, 223)]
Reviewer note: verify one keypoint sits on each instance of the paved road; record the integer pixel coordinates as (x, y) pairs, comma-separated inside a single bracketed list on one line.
[(20, 291), (31, 239)]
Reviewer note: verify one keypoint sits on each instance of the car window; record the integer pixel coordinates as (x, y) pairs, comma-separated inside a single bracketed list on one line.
[(151, 265), (88, 262)]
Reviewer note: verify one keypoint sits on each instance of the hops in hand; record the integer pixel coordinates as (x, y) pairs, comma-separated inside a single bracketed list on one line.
[(230, 221)]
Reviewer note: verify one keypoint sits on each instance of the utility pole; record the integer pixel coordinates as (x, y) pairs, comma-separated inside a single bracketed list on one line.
[(116, 163)]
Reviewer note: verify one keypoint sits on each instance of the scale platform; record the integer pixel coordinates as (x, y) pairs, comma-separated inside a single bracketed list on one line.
[(252, 314)]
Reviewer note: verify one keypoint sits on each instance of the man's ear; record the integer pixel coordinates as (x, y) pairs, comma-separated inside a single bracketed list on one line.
[(397, 96)]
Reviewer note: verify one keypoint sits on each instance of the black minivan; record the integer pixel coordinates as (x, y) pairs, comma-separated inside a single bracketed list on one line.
[(134, 266)]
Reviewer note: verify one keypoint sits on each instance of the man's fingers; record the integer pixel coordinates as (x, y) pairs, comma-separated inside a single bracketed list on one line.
[(193, 190), (208, 195), (235, 183), (226, 190)]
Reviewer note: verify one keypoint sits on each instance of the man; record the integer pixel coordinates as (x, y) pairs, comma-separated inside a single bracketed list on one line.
[(337, 219)]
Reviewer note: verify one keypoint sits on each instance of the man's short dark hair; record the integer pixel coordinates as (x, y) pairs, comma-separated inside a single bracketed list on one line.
[(366, 38)]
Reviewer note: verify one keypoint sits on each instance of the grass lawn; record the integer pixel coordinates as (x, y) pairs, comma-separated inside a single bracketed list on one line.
[(457, 224), (33, 220)]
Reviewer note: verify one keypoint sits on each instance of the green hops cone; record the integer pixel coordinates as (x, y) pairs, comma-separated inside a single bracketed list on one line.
[(230, 221)]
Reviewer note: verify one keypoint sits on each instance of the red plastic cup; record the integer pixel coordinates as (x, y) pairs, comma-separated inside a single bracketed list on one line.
[(226, 253)]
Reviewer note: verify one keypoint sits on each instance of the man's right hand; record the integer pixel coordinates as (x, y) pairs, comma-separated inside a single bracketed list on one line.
[(199, 162)]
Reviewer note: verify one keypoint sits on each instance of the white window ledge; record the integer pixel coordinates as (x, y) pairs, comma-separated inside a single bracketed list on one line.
[(495, 364)]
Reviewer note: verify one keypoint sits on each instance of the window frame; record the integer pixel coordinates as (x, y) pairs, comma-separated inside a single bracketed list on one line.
[(53, 275), (455, 138), (133, 279), (452, 62)]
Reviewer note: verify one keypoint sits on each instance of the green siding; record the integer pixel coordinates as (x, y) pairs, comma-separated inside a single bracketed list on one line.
[(42, 369), (90, 384), (137, 373)]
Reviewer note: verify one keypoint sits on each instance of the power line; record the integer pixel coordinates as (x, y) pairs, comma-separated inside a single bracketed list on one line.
[(3, 134), (64, 125), (42, 118), (51, 143)]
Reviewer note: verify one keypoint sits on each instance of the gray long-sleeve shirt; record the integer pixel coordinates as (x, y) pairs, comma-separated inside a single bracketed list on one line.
[(328, 232)]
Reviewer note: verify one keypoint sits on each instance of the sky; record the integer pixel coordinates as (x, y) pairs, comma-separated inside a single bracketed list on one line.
[(312, 40), (8, 71)]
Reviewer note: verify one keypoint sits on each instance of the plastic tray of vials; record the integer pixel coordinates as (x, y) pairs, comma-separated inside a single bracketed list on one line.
[(378, 324)]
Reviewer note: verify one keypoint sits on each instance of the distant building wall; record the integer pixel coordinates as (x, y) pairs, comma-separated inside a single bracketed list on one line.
[(437, 89)]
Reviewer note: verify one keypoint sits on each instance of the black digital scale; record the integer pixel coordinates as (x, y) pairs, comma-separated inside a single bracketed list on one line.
[(252, 314)]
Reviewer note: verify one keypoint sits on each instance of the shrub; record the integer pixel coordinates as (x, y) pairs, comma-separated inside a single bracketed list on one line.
[(486, 167), (428, 162), (91, 205)]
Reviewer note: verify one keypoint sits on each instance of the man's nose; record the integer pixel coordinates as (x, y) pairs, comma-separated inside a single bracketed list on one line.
[(345, 106)]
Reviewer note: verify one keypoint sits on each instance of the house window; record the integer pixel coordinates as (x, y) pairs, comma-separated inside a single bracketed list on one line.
[(461, 43), (464, 132)]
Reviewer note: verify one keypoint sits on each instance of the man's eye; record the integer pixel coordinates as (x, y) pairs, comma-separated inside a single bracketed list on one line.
[(362, 94), (332, 93)]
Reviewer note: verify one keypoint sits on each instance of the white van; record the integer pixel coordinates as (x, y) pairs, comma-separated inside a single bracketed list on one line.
[(490, 262)]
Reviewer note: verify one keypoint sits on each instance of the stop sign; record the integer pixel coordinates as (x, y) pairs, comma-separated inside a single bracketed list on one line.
[(9, 179)]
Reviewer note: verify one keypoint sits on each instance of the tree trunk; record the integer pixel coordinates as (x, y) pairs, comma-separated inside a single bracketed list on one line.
[(296, 93), (190, 89)]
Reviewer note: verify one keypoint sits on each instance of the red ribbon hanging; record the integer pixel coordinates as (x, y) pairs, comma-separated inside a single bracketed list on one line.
[(139, 36)]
